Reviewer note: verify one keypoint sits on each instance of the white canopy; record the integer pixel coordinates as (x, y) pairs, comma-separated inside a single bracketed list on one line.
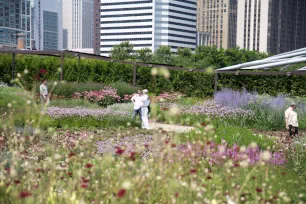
[(284, 59)]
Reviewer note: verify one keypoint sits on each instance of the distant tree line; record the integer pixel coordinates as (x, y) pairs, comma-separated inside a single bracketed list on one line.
[(202, 57)]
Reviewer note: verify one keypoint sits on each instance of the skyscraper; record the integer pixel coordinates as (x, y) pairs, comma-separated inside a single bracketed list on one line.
[(218, 18), (47, 24), (148, 24), (78, 24), (274, 26), (15, 17)]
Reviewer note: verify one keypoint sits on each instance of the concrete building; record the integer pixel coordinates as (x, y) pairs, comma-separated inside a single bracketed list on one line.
[(274, 26), (219, 19), (148, 24), (15, 18), (47, 24), (78, 24), (203, 38)]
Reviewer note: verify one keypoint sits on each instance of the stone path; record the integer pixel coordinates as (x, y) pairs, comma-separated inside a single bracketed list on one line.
[(170, 128)]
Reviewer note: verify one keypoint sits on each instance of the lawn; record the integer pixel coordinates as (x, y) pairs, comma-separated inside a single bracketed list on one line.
[(84, 150)]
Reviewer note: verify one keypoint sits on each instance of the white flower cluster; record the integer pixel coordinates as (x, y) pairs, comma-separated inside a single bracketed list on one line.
[(2, 84)]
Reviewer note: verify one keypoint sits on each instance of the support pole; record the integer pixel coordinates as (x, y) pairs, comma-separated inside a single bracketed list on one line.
[(216, 82), (134, 74), (62, 67), (13, 64), (79, 61)]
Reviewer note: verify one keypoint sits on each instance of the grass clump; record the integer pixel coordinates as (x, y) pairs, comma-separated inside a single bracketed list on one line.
[(67, 89)]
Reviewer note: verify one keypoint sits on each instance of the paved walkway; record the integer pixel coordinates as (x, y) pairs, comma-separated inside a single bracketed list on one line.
[(170, 128)]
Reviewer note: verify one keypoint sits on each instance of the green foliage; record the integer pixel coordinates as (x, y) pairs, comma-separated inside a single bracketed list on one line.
[(107, 101), (13, 96), (163, 55), (122, 51), (184, 52), (144, 55), (124, 88), (67, 89), (190, 83), (188, 101), (242, 136)]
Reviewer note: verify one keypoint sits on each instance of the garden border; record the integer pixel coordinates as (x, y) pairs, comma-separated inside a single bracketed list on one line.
[(62, 54)]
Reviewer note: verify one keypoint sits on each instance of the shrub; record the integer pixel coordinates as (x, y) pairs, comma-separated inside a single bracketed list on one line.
[(189, 83), (104, 97), (67, 89), (124, 88)]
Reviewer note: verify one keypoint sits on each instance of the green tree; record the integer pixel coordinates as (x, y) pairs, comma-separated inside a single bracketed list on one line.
[(163, 55), (122, 51), (184, 52), (144, 55)]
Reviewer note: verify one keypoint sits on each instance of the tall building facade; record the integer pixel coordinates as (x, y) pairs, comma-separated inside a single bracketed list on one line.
[(219, 19), (47, 25), (96, 27), (273, 26), (78, 24), (148, 24), (15, 17)]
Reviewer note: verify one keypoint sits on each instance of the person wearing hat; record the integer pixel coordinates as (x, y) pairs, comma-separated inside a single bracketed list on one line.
[(292, 120), (144, 109)]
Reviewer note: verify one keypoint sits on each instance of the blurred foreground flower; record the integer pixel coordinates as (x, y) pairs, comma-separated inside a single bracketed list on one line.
[(121, 193)]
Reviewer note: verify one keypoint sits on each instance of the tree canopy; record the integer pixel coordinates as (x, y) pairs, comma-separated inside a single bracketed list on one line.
[(202, 57)]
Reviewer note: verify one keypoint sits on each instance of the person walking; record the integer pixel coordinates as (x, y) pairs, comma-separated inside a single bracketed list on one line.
[(144, 109), (43, 90), (293, 124), (136, 100), (287, 113)]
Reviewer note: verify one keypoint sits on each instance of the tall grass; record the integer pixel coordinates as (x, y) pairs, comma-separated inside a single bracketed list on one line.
[(269, 110), (67, 89), (124, 88)]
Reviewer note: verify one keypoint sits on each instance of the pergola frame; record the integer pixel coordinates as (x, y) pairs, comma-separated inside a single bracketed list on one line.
[(284, 59), (293, 57)]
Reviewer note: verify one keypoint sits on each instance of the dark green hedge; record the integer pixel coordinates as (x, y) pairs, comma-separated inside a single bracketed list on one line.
[(190, 83)]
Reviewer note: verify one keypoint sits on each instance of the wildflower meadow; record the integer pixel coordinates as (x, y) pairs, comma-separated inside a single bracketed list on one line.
[(83, 147)]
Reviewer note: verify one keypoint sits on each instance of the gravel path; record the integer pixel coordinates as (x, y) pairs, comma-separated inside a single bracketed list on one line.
[(170, 128)]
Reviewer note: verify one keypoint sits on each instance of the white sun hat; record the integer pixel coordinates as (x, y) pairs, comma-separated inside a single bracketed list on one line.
[(145, 91)]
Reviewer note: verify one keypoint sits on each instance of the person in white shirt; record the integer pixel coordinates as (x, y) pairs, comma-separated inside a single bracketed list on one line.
[(144, 109), (287, 113), (137, 105), (293, 124), (43, 90)]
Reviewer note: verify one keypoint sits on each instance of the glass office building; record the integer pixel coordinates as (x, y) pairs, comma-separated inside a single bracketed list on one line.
[(15, 17), (148, 24)]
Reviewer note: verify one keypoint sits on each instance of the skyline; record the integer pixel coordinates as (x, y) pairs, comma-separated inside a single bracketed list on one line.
[(95, 26)]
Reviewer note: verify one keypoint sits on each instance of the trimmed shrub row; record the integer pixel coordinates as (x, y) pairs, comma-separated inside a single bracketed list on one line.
[(189, 83)]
